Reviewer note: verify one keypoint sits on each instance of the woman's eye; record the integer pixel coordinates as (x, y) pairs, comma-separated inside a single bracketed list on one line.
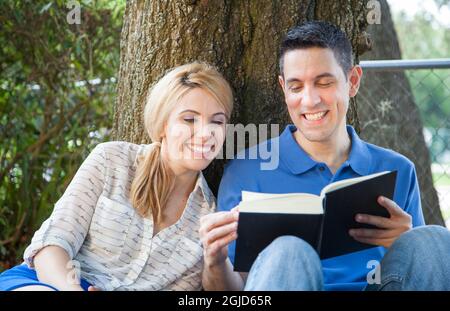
[(296, 89), (218, 122), (189, 120)]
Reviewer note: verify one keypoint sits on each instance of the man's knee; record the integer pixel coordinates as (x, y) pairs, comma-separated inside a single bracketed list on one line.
[(423, 240), (288, 263), (418, 260), (292, 248), (425, 235)]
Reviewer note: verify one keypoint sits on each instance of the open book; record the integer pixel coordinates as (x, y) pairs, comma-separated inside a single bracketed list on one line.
[(322, 221)]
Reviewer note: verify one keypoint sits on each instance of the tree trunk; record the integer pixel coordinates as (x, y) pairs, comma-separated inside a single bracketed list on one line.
[(240, 37), (389, 116)]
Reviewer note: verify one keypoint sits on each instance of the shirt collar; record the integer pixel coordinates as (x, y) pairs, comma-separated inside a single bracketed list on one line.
[(295, 158), (359, 158), (201, 187), (298, 161)]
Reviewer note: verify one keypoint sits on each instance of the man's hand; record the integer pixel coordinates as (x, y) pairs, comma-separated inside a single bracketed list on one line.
[(390, 228), (217, 230)]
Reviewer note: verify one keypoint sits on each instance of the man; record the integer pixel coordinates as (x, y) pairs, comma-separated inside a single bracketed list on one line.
[(318, 79)]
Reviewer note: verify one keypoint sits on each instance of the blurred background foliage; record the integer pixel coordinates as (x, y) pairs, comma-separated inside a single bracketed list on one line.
[(56, 102)]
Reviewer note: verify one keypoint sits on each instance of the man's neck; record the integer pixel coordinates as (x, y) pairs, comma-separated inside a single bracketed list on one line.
[(333, 152)]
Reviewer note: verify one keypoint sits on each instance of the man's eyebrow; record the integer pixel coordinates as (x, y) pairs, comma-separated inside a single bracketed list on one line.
[(293, 80), (325, 75), (322, 75)]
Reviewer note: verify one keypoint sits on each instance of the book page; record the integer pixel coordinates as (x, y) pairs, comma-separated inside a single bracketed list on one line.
[(288, 203), (252, 196), (347, 182)]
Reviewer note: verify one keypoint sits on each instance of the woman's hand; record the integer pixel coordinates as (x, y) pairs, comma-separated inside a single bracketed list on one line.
[(390, 228), (217, 230)]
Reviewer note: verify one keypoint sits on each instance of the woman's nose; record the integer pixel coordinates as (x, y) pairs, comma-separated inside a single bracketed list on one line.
[(206, 131)]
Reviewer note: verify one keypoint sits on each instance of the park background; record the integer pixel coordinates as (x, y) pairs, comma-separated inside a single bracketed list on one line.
[(69, 82)]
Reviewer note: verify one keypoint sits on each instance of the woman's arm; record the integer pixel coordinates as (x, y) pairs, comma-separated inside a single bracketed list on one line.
[(216, 232), (60, 237), (222, 277), (53, 266), (68, 225)]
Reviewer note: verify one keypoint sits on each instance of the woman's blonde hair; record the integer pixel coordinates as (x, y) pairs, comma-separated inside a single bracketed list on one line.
[(153, 181)]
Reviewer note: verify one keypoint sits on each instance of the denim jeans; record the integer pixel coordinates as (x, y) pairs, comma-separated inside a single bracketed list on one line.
[(418, 260)]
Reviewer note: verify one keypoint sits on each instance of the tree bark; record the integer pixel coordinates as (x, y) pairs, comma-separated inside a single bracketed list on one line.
[(388, 115), (240, 37)]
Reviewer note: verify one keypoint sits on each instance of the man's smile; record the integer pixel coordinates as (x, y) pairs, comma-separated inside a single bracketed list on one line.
[(315, 116)]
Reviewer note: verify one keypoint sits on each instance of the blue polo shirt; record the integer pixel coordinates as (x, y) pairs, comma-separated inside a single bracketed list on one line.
[(297, 172)]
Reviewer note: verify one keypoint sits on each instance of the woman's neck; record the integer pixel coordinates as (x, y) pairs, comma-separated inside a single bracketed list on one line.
[(185, 182), (184, 179)]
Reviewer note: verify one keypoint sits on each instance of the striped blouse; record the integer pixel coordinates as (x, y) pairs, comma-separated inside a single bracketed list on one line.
[(114, 246)]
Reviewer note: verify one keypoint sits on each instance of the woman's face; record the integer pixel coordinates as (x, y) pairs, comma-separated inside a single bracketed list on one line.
[(195, 132)]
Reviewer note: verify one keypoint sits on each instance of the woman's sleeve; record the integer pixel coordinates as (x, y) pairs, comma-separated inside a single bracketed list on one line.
[(69, 222)]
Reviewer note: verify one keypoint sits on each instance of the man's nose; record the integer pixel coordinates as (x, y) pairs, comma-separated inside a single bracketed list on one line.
[(310, 97)]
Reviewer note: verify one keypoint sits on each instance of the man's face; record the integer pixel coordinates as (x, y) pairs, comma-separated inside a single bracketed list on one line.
[(317, 92)]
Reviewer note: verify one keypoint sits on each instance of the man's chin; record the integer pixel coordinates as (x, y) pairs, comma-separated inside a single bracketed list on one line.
[(314, 136)]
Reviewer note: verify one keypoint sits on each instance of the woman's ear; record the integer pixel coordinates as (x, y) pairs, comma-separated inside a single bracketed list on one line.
[(355, 76), (163, 134)]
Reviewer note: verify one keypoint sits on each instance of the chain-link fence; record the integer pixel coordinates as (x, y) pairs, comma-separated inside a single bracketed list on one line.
[(398, 98)]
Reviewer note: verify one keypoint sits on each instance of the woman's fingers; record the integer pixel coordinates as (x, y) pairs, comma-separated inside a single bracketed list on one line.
[(217, 245), (219, 232), (211, 221)]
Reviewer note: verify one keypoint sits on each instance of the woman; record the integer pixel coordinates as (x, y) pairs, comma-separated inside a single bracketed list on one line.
[(129, 219)]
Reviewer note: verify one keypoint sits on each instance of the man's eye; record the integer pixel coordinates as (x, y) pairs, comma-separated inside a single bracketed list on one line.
[(296, 89), (325, 84)]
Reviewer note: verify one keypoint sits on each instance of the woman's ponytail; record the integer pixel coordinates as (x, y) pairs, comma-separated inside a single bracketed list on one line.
[(152, 184)]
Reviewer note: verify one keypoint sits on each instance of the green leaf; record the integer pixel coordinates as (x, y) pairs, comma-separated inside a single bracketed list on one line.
[(46, 7)]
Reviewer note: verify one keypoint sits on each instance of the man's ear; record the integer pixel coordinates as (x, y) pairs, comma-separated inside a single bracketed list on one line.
[(355, 75), (281, 81)]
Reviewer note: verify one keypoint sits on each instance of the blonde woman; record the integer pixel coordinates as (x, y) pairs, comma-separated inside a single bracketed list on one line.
[(129, 219)]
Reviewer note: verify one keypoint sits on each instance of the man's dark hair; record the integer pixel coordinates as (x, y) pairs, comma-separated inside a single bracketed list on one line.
[(318, 34)]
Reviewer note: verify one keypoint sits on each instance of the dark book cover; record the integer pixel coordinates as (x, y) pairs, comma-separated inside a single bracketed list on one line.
[(327, 233), (341, 207)]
